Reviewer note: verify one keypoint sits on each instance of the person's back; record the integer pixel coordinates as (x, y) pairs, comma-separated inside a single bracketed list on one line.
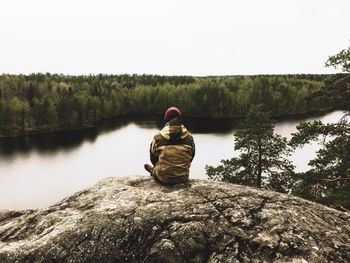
[(172, 150)]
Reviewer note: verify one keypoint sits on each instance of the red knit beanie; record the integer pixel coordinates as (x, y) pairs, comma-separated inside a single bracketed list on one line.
[(172, 113)]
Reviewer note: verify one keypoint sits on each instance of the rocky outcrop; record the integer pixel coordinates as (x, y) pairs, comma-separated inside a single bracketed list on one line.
[(135, 219)]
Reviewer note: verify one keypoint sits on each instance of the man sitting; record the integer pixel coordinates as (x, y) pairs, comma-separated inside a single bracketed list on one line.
[(172, 150)]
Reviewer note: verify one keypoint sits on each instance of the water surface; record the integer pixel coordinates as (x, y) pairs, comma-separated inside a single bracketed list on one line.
[(37, 171)]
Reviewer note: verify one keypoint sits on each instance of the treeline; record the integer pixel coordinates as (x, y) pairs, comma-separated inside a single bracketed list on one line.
[(50, 102)]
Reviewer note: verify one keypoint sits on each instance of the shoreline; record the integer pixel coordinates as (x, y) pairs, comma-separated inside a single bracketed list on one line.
[(104, 123)]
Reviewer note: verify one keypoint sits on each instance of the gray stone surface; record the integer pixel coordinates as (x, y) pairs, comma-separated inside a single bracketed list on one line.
[(134, 219)]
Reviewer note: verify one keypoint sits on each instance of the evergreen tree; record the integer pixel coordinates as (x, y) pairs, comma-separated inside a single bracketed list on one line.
[(57, 102), (263, 156), (328, 180), (339, 90), (341, 59)]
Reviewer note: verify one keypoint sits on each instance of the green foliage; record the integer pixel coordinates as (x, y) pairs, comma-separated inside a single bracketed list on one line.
[(338, 89), (57, 102), (328, 180), (263, 156), (342, 59)]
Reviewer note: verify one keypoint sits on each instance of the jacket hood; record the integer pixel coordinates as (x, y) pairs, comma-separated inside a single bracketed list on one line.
[(174, 130)]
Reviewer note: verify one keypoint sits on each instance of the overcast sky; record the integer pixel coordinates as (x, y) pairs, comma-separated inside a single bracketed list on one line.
[(178, 37)]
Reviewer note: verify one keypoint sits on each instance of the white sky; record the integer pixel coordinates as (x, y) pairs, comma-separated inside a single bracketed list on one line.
[(178, 37)]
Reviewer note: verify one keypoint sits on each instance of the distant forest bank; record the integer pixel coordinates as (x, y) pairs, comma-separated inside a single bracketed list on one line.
[(45, 103)]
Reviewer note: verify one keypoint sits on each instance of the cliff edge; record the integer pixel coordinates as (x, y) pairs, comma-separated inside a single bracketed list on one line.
[(134, 219)]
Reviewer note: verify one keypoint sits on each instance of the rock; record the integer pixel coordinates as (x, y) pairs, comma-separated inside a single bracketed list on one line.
[(134, 219)]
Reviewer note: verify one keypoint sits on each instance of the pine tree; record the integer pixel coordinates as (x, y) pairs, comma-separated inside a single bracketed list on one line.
[(263, 156), (328, 180), (341, 59)]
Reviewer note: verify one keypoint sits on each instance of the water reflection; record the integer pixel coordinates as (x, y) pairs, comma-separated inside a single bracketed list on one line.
[(46, 144), (36, 171), (50, 144)]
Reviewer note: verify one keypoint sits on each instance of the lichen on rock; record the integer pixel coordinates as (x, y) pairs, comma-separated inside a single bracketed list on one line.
[(134, 219)]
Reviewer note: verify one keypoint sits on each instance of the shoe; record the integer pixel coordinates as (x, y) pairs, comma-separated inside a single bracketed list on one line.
[(148, 168)]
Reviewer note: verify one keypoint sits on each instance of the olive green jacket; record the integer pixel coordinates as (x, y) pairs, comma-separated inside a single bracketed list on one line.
[(172, 151)]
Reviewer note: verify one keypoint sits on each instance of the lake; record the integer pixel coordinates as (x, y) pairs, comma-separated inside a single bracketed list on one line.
[(37, 171)]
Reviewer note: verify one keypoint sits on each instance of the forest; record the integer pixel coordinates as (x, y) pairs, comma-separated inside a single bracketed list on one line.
[(43, 103)]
